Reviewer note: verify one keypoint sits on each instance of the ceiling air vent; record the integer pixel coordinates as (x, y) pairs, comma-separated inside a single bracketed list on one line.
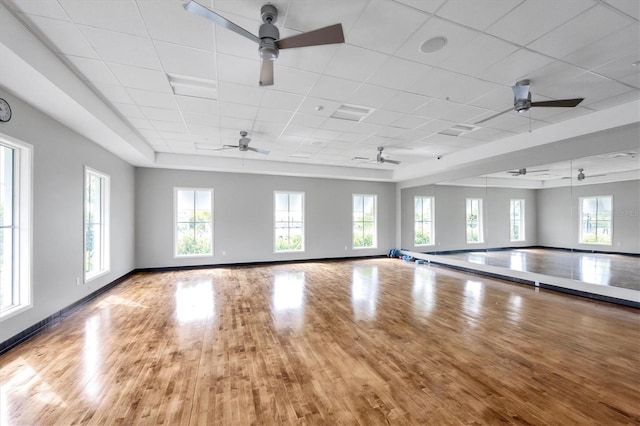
[(458, 129), (194, 87), (352, 112)]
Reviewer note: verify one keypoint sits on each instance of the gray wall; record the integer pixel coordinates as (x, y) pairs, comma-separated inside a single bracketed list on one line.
[(558, 211), (60, 156), (450, 216), (243, 216)]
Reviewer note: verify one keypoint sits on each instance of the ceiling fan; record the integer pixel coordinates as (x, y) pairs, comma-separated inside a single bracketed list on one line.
[(581, 176), (523, 171), (268, 38), (243, 145), (380, 158), (522, 101)]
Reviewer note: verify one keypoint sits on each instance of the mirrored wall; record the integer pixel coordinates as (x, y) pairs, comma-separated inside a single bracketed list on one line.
[(571, 224)]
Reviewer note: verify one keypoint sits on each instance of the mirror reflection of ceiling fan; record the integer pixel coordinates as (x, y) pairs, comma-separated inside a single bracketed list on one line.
[(523, 171), (268, 39), (522, 101), (380, 158)]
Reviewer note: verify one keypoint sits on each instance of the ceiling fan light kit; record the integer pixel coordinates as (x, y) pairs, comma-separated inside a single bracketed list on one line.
[(268, 39)]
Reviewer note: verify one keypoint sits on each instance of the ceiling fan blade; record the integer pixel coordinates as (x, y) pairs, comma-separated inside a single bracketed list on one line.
[(266, 73), (361, 158), (230, 146), (207, 13), (391, 161), (258, 150), (494, 116), (567, 103), (536, 171), (327, 35)]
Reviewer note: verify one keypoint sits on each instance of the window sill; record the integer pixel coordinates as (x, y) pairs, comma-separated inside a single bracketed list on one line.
[(13, 311)]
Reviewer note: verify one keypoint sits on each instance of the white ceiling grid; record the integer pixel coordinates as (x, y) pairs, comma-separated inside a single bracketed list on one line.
[(126, 50)]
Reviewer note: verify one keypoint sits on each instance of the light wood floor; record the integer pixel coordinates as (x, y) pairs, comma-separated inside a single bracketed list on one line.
[(356, 342)]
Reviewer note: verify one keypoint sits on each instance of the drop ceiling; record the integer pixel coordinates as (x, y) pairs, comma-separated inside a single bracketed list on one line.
[(128, 53)]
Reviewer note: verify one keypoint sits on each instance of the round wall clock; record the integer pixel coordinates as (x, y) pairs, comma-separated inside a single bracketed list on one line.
[(5, 110)]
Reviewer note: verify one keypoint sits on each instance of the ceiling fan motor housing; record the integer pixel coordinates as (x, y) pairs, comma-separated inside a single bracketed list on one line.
[(268, 33)]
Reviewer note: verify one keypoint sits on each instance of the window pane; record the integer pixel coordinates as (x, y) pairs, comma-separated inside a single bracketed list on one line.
[(6, 268), (289, 221)]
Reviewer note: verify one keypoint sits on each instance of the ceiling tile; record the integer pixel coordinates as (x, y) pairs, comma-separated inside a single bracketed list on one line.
[(306, 16), (200, 119), (64, 37), (388, 34), (188, 104), (122, 48), (590, 86), (113, 93), (169, 21), (631, 8), (128, 110), (437, 108), (93, 70), (600, 21), (140, 123), (458, 37), (274, 115), (425, 5), (187, 61), (514, 67), (153, 99), (533, 18), (293, 80), (43, 8), (121, 16), (333, 88), (313, 58), (236, 93), (161, 114), (397, 73), (281, 100), (446, 85), (477, 14), (409, 121), (382, 116), (479, 54), (354, 63), (141, 78), (607, 49), (230, 109), (239, 70), (622, 69), (371, 96), (231, 43), (405, 102)]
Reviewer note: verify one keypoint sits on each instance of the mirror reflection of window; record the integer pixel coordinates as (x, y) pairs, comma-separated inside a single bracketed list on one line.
[(364, 292), (472, 301)]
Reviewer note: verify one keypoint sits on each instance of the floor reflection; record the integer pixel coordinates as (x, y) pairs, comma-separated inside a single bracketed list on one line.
[(195, 300), (288, 300), (518, 261), (91, 356), (594, 269), (364, 292), (515, 307), (473, 295), (423, 294)]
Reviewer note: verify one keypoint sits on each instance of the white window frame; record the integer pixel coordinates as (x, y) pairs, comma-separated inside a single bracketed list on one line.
[(289, 221), (479, 221), (375, 221), (105, 229), (582, 225), (521, 222), (176, 190), (430, 222), (22, 247)]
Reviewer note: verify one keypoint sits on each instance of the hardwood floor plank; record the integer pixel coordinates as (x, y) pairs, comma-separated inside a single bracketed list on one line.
[(363, 342)]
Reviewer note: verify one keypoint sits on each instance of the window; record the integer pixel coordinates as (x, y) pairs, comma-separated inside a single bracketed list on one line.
[(516, 220), (364, 221), (96, 224), (474, 220), (423, 221), (596, 226), (193, 222), (15, 227), (289, 221)]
